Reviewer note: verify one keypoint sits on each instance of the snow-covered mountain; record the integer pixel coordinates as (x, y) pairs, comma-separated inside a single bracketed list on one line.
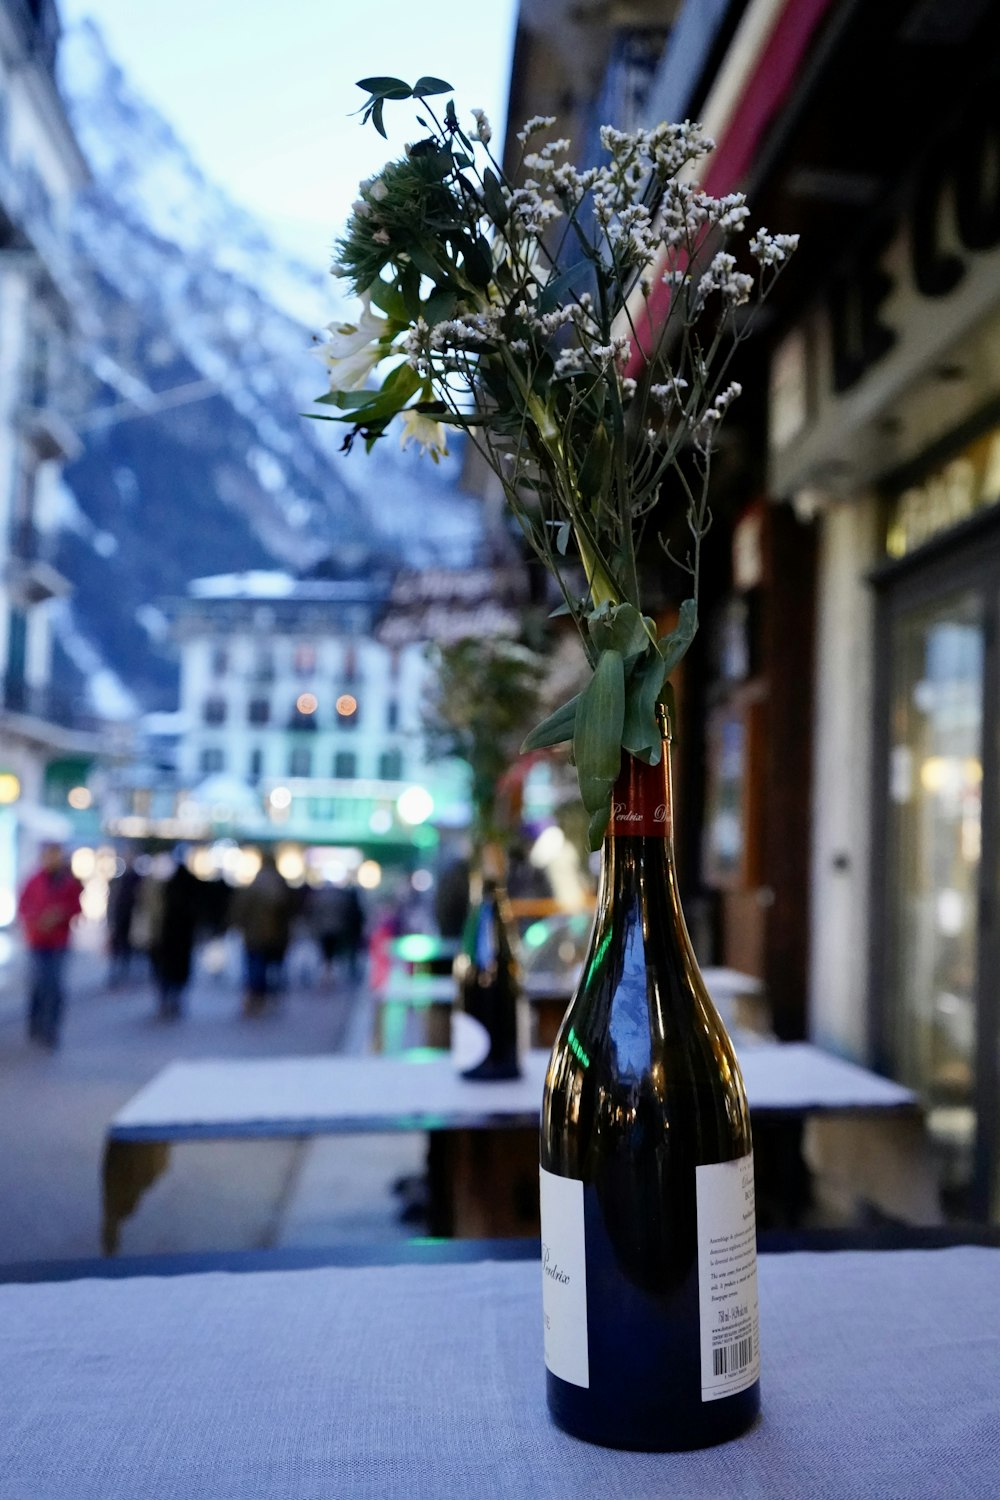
[(195, 334)]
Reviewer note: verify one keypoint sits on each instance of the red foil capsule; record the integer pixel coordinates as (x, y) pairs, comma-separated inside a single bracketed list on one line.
[(640, 803)]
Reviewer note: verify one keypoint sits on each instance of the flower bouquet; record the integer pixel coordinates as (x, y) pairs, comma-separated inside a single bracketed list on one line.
[(517, 308)]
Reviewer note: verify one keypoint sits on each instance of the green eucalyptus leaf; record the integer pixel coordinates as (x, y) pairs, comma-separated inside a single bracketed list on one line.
[(553, 730), (597, 730), (621, 628), (425, 86), (562, 538), (598, 826), (673, 647), (641, 732)]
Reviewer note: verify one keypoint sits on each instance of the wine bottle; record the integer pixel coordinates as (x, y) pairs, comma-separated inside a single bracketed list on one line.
[(489, 1011), (647, 1188)]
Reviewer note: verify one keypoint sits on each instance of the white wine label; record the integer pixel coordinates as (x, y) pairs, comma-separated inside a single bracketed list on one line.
[(470, 1041), (727, 1278), (564, 1278)]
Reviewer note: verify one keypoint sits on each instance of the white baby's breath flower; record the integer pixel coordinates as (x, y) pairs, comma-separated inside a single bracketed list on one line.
[(534, 125), (484, 129), (772, 249)]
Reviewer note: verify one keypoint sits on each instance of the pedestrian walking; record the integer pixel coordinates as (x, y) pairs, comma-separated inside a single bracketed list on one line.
[(337, 922), (263, 911), (49, 902), (172, 911), (123, 899)]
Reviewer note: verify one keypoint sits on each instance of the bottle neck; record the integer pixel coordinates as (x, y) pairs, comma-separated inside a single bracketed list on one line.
[(642, 804)]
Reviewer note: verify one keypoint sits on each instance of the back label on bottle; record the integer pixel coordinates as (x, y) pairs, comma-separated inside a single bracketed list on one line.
[(470, 1041), (727, 1278), (564, 1278)]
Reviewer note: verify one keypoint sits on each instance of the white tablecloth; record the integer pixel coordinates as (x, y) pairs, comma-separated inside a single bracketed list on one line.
[(385, 1093), (880, 1381)]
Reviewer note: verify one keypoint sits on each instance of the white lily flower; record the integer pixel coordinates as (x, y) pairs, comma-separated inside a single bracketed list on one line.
[(418, 428), (348, 338), (354, 349)]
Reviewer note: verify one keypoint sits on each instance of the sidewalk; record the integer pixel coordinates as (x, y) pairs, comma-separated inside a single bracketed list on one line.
[(224, 1195)]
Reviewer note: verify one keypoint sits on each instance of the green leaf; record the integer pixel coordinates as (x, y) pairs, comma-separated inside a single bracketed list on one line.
[(494, 199), (555, 729), (595, 470), (386, 88), (478, 262), (439, 307), (409, 286), (641, 732), (675, 645), (402, 381), (597, 731), (621, 628), (388, 299), (425, 86), (573, 281), (369, 406), (377, 119), (424, 261), (598, 826)]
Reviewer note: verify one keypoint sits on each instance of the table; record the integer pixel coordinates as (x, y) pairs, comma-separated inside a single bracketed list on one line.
[(484, 1154), (739, 998), (879, 1378)]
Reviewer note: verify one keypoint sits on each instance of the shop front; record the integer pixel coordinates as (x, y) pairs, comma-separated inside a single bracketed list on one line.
[(885, 428), (935, 810)]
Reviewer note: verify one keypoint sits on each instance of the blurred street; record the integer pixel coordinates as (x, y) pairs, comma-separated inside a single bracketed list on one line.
[(55, 1107)]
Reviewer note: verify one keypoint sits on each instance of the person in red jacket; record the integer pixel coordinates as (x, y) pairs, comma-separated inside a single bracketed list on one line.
[(49, 902)]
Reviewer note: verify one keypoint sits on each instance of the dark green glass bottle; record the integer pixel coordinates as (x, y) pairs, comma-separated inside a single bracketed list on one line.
[(488, 1015), (648, 1231)]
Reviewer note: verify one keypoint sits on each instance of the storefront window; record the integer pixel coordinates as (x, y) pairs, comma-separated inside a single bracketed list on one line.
[(934, 827)]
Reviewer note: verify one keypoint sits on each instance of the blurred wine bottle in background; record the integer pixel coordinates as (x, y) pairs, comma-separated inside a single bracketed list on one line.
[(489, 1013)]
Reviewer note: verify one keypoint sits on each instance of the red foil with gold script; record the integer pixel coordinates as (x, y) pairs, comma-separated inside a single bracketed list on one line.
[(640, 803)]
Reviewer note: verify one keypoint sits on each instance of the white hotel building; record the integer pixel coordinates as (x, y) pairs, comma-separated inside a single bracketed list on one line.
[(298, 724)]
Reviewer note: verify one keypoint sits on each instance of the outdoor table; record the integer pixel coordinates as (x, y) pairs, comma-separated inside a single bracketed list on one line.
[(430, 996), (879, 1379), (483, 1136)]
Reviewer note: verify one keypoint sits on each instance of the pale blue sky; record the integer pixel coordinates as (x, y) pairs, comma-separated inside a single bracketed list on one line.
[(262, 91)]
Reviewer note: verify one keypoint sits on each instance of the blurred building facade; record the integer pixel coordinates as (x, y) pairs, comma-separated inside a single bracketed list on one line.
[(839, 767), (296, 723), (41, 168)]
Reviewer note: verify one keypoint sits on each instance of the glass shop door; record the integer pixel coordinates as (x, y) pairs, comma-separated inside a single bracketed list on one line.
[(934, 940)]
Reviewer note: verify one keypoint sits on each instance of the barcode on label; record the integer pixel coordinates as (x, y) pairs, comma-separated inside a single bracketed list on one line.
[(732, 1357)]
